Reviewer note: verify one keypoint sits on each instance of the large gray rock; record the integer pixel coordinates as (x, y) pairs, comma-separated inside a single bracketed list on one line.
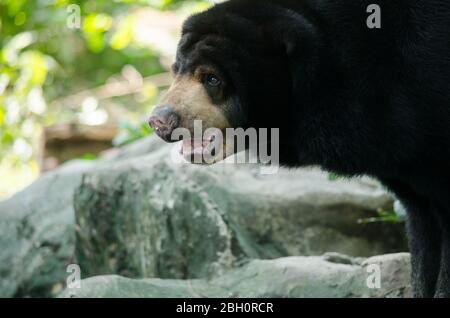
[(140, 215), (328, 276), (37, 234), (146, 216)]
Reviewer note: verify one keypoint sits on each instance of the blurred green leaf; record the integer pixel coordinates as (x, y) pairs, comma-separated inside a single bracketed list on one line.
[(97, 23), (33, 67), (89, 157), (122, 37), (2, 116), (388, 216), (334, 176)]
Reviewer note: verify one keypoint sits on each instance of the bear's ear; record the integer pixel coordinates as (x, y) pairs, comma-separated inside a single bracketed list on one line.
[(299, 42), (298, 38)]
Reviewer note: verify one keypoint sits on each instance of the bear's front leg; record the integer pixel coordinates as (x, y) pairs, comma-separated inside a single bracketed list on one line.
[(443, 283), (424, 236), (425, 247)]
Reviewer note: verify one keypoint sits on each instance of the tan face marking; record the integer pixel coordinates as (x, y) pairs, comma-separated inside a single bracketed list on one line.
[(189, 99)]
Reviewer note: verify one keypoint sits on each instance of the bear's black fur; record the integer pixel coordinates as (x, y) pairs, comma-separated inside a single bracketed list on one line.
[(354, 100)]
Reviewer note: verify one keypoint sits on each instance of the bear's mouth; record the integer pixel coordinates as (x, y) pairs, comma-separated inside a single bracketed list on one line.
[(200, 151)]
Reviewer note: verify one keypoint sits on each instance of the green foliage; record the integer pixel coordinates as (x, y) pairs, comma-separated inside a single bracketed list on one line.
[(333, 176), (88, 157), (394, 215), (389, 216), (42, 60)]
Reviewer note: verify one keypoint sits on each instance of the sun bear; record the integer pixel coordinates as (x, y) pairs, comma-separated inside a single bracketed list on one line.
[(347, 96)]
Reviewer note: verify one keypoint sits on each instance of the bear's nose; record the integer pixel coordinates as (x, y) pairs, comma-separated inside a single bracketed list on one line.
[(164, 121)]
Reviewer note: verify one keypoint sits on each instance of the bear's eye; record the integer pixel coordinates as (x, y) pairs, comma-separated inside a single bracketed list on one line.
[(212, 80)]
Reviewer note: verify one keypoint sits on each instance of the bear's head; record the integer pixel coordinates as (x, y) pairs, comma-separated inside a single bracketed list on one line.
[(231, 71)]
